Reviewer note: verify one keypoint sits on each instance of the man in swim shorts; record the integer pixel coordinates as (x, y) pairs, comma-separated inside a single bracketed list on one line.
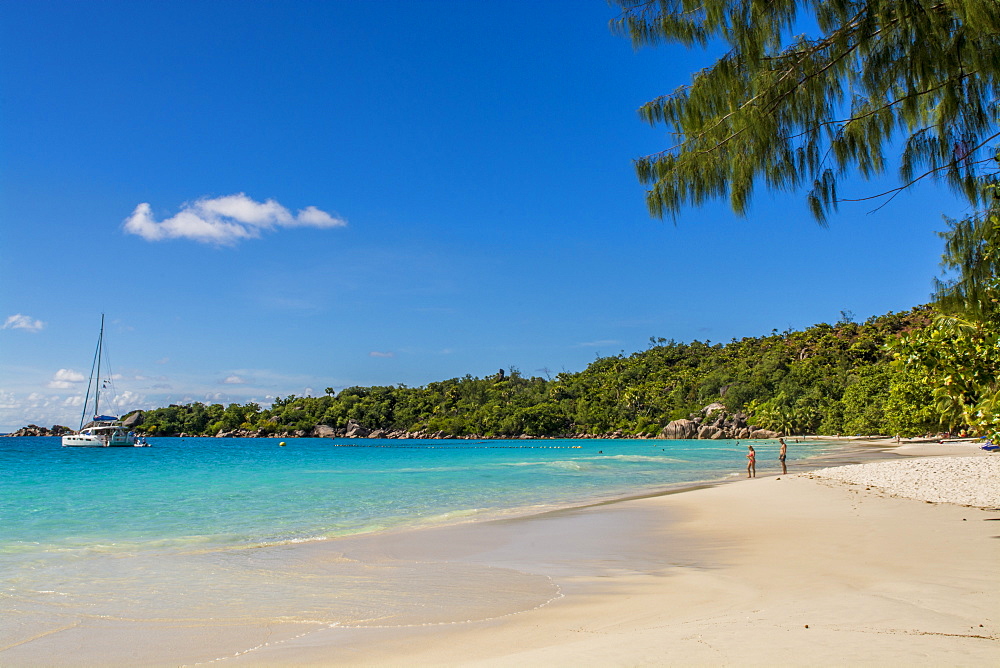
[(781, 455)]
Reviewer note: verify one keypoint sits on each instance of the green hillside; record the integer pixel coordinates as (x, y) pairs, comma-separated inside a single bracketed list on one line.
[(825, 379)]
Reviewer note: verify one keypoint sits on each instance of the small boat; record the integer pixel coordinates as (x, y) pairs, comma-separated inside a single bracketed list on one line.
[(102, 431)]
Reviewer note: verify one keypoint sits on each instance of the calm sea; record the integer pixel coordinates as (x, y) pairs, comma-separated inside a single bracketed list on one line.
[(165, 531), (252, 491)]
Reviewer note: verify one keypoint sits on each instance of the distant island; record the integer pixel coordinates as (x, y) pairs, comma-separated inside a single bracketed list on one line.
[(35, 430), (829, 379)]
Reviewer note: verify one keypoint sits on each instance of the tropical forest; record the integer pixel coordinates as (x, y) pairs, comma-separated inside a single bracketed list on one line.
[(887, 375)]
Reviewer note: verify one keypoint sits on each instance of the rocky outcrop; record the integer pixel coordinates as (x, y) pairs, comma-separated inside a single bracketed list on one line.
[(249, 433), (35, 430), (133, 420), (355, 430), (680, 429), (711, 432), (324, 431), (713, 422), (711, 411)]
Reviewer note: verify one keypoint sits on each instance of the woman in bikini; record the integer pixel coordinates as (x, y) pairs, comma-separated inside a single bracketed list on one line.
[(751, 462)]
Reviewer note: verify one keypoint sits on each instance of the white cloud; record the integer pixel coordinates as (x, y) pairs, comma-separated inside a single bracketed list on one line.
[(125, 400), (245, 210), (18, 410), (19, 321), (7, 400), (313, 217), (65, 379), (234, 380), (376, 353), (225, 220)]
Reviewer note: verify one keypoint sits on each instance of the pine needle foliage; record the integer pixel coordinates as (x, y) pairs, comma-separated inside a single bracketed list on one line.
[(792, 112), (972, 256)]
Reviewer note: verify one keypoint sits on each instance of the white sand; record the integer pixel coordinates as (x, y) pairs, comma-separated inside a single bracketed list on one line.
[(967, 481)]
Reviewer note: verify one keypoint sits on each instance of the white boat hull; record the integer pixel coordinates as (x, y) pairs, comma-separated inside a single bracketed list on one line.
[(114, 439)]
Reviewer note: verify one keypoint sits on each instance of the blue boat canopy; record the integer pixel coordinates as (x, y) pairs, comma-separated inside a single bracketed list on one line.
[(104, 418)]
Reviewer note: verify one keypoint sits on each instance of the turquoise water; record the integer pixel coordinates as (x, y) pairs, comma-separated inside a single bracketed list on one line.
[(252, 491), (223, 533)]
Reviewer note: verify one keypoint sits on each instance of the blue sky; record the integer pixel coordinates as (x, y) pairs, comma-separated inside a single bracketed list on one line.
[(273, 198)]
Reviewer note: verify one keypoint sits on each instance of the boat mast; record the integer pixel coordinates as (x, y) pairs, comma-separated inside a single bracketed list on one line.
[(96, 364), (100, 352)]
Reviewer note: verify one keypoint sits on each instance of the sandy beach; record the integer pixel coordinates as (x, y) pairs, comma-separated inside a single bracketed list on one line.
[(822, 566)]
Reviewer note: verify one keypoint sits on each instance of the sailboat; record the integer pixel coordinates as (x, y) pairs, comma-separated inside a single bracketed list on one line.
[(103, 431)]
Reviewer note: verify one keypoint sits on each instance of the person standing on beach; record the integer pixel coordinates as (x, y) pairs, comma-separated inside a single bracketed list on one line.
[(781, 455), (751, 462)]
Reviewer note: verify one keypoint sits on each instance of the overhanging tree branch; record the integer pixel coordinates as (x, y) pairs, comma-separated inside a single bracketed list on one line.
[(929, 69)]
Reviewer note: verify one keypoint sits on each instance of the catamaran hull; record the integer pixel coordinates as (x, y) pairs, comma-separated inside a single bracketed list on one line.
[(90, 441)]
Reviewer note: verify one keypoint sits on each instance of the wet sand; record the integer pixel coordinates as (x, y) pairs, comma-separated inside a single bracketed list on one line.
[(796, 569)]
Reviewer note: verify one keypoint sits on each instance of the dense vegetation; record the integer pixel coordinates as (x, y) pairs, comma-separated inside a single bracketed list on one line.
[(825, 379)]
